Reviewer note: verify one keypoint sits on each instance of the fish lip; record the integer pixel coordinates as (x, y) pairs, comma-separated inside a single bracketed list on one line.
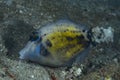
[(22, 54)]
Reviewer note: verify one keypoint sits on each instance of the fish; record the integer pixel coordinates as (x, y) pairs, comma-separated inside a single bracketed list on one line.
[(58, 44)]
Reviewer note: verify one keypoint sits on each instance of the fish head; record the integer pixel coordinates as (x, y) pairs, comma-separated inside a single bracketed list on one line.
[(32, 49)]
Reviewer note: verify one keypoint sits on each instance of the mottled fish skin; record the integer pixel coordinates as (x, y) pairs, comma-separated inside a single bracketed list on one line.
[(58, 44)]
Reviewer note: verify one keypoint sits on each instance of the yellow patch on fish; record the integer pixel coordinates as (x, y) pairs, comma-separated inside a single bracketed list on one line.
[(65, 41)]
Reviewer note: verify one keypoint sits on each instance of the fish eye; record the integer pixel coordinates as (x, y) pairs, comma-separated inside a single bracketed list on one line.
[(34, 37), (83, 30)]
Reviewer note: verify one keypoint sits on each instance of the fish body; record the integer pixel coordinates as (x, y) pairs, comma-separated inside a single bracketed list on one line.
[(57, 44)]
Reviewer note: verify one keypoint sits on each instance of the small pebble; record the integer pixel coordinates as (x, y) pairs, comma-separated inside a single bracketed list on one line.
[(115, 60), (20, 11), (32, 76), (77, 72)]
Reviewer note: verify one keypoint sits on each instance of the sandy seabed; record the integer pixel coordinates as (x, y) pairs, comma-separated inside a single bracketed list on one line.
[(18, 18)]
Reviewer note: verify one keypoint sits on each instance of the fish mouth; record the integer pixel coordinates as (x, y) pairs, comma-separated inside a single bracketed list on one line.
[(27, 50), (22, 54)]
